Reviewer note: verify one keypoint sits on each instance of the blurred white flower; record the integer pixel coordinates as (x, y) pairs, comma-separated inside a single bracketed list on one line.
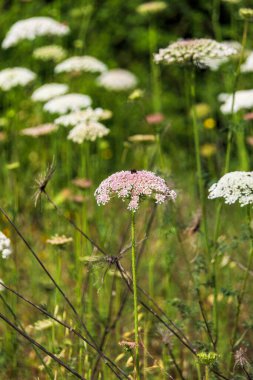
[(49, 91), (89, 131), (233, 187), (67, 103), (15, 76), (243, 100), (248, 64), (78, 117), (117, 80), (193, 52), (31, 28), (151, 7), (53, 53), (83, 63), (39, 130), (5, 246)]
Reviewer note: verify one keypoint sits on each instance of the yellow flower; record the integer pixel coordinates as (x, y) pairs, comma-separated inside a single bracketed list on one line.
[(209, 123), (202, 110), (208, 150)]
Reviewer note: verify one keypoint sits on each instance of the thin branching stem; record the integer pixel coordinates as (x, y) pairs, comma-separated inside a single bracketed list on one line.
[(42, 348)]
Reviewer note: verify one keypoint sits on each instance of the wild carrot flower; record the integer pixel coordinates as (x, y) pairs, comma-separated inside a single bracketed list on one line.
[(233, 187), (89, 131), (134, 186), (31, 28), (247, 66), (5, 246), (246, 13), (47, 53), (117, 80), (59, 240), (83, 63), (78, 117), (151, 7), (15, 76), (65, 103), (243, 99), (39, 130), (49, 91), (194, 52)]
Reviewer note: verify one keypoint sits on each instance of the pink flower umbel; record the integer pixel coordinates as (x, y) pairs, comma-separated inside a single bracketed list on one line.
[(134, 185)]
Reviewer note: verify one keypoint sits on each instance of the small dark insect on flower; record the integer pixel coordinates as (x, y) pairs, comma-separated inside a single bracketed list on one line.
[(42, 181), (133, 171)]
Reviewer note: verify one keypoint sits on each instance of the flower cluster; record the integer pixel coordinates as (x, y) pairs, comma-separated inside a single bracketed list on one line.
[(78, 117), (84, 63), (134, 185), (49, 91), (151, 7), (117, 80), (39, 130), (31, 28), (207, 358), (243, 100), (90, 131), (233, 187), (5, 246), (193, 51), (248, 64), (215, 63), (66, 103), (16, 76), (47, 53), (246, 13)]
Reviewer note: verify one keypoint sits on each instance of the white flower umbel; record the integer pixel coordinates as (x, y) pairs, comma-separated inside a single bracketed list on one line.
[(247, 67), (89, 131), (31, 28), (15, 76), (117, 80), (47, 53), (49, 91), (193, 52), (67, 103), (243, 100), (234, 187), (5, 246), (83, 63), (215, 63), (78, 117)]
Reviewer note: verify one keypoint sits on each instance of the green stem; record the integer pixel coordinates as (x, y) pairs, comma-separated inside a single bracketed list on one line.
[(155, 70), (136, 331), (215, 19), (197, 156), (241, 148), (226, 169), (244, 284), (206, 373)]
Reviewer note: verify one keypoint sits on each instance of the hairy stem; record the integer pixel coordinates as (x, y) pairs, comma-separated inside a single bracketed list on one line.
[(136, 330)]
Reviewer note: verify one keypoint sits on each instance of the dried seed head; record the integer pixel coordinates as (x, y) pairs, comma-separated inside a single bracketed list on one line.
[(42, 181), (240, 357)]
